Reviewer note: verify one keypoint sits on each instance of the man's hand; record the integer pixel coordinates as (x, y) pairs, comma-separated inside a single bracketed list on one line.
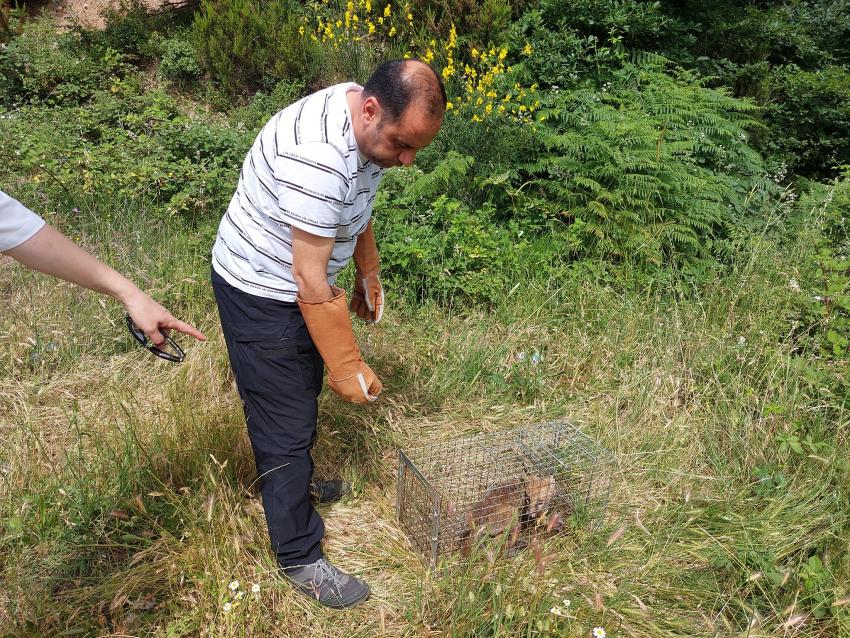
[(326, 315), (50, 252), (154, 320), (367, 300), (330, 327)]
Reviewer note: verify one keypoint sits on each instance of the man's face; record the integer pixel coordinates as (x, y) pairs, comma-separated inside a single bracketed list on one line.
[(389, 143)]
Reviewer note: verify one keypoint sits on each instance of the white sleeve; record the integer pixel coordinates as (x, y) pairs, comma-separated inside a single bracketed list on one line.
[(17, 223), (312, 184)]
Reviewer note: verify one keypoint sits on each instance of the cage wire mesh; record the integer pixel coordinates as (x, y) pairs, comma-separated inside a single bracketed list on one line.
[(540, 478)]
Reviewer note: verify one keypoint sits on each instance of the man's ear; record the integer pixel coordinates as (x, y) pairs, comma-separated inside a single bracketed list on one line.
[(371, 109)]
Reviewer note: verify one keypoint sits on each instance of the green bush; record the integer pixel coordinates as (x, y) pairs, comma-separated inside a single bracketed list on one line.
[(479, 22), (444, 249), (809, 120), (126, 146), (263, 105), (178, 65), (42, 65), (249, 44), (822, 317)]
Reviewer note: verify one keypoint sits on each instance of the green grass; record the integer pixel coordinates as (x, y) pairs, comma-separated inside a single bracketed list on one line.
[(127, 484)]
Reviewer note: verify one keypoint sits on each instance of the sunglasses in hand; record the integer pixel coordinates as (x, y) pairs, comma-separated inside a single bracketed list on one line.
[(176, 356)]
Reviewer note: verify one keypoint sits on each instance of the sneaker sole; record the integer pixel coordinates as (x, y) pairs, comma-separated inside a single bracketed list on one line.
[(309, 594)]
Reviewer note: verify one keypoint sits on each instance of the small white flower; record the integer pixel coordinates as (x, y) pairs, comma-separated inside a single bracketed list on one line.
[(599, 632), (234, 585), (255, 588), (567, 602), (536, 358), (742, 340), (240, 595), (520, 356), (793, 285), (227, 607), (556, 611), (818, 298)]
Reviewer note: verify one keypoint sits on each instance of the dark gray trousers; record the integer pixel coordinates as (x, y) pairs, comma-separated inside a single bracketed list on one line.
[(279, 374)]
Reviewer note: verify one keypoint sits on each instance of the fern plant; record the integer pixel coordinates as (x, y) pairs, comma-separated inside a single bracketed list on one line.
[(647, 168)]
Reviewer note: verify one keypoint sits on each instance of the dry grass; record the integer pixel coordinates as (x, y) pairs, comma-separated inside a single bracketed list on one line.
[(128, 484)]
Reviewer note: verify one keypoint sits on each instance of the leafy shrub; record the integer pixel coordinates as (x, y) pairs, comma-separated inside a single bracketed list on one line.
[(822, 317), (646, 169), (126, 145), (248, 44), (560, 57), (809, 120), (44, 66), (179, 65), (480, 22), (638, 24), (263, 105), (438, 246)]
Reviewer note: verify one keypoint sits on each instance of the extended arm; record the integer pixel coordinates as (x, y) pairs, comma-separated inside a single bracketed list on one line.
[(326, 315), (50, 252)]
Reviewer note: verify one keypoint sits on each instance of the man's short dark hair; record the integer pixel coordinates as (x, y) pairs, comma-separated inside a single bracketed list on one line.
[(399, 83)]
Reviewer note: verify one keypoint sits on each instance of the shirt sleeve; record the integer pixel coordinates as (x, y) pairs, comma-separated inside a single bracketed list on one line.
[(17, 223), (312, 184)]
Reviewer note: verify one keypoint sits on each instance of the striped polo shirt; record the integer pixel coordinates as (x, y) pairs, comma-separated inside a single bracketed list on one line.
[(304, 170)]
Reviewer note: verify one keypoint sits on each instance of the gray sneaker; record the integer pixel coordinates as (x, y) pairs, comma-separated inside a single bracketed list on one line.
[(329, 585)]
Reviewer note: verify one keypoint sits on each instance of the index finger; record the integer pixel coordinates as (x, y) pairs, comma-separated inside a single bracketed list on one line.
[(185, 328)]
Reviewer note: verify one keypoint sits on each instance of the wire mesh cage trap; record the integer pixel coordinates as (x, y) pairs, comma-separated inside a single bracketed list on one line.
[(501, 486)]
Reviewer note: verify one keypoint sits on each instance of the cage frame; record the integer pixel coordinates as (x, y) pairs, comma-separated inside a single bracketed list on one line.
[(593, 457)]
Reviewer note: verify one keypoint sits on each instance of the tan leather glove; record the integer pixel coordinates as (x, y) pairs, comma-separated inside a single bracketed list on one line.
[(330, 327), (367, 300)]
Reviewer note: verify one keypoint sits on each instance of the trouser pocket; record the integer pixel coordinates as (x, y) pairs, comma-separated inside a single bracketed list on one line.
[(265, 359)]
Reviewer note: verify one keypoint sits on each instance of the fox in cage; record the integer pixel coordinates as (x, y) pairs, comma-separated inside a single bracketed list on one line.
[(503, 490), (508, 510)]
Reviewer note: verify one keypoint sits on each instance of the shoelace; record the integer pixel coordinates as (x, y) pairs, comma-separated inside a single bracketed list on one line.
[(325, 570)]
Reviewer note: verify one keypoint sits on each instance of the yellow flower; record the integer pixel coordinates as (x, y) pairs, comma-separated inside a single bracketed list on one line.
[(388, 10), (350, 7), (410, 17), (368, 6), (488, 109), (479, 102), (301, 30), (502, 54), (474, 52), (392, 32), (527, 50), (371, 28), (475, 118), (380, 20), (449, 106)]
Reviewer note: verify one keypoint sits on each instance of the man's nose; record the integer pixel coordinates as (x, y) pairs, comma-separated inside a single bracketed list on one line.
[(406, 157)]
